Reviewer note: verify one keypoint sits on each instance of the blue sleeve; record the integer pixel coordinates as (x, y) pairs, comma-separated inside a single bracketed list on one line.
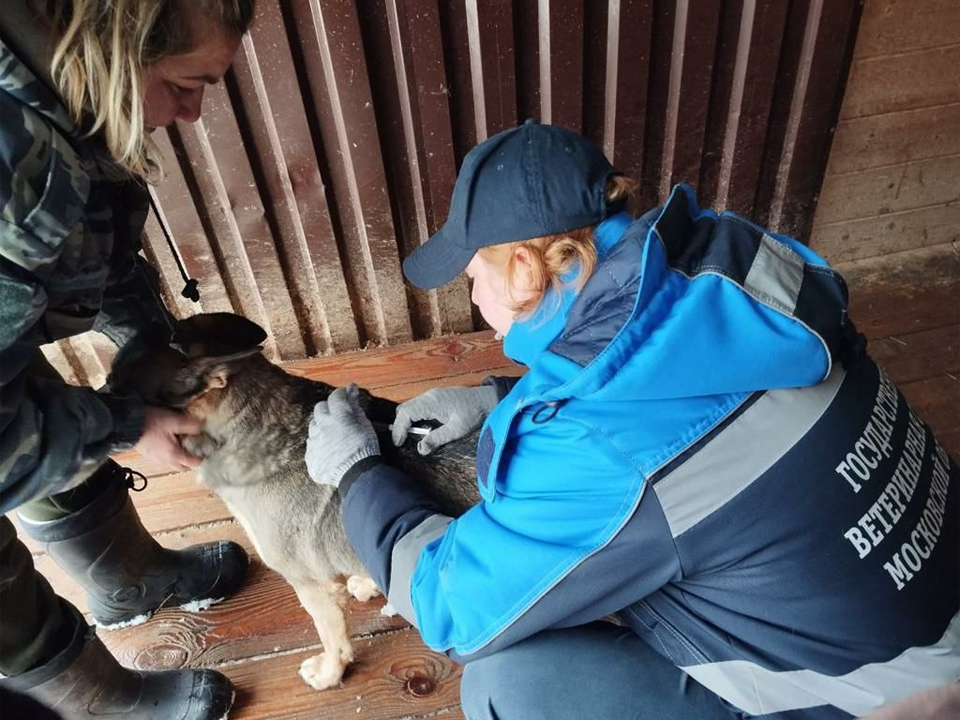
[(452, 577), (381, 506)]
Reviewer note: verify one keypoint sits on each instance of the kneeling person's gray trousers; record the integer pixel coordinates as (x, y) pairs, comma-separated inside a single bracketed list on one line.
[(594, 672)]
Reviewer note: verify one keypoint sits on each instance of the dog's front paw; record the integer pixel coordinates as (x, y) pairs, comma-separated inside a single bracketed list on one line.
[(362, 588), (323, 671)]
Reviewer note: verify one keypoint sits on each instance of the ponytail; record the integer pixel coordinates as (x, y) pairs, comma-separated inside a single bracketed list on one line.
[(555, 257)]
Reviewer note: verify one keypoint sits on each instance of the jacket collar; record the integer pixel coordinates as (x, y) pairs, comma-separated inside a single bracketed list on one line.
[(690, 303), (528, 338), (25, 48)]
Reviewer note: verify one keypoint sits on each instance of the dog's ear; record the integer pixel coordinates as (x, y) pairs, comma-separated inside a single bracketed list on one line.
[(217, 369), (218, 335)]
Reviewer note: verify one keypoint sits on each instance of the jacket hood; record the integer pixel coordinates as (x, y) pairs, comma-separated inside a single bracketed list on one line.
[(685, 302), (25, 64)]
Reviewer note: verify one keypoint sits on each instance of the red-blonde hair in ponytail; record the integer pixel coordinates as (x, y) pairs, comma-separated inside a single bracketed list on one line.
[(553, 257)]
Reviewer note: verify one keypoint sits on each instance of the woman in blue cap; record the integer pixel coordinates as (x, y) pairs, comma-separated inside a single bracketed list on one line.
[(700, 445)]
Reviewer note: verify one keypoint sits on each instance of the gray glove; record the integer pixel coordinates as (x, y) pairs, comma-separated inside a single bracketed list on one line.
[(339, 437), (461, 410)]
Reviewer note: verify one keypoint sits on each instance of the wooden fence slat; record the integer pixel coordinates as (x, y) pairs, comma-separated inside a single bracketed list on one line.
[(812, 76), (562, 49), (735, 27), (923, 355), (628, 46), (595, 55), (332, 46), (492, 65), (872, 193), (893, 138), (421, 153), (223, 176), (877, 236), (426, 360), (889, 83), (934, 400), (281, 203), (926, 281), (229, 251), (192, 240), (893, 26), (457, 61), (280, 69), (658, 86), (688, 94), (737, 143)]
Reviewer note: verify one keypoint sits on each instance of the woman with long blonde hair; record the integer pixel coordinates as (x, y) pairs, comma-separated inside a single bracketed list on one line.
[(83, 84)]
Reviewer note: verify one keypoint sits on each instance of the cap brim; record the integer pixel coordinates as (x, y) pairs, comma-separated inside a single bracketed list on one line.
[(436, 262)]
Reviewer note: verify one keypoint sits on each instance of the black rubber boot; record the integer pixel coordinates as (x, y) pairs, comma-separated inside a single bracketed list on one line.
[(126, 573), (85, 681)]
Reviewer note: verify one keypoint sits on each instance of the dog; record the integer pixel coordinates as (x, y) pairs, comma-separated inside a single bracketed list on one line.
[(252, 447)]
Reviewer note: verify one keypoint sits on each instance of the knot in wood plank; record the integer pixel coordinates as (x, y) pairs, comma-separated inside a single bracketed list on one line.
[(420, 685)]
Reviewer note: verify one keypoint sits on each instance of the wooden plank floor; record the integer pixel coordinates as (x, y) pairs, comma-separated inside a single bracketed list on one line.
[(260, 636)]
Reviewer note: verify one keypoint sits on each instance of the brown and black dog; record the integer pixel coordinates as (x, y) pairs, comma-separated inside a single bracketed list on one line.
[(255, 430)]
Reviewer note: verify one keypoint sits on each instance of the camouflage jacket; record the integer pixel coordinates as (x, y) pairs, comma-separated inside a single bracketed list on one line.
[(70, 225)]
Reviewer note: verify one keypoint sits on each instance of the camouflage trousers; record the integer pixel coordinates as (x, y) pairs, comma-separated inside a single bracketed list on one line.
[(34, 626)]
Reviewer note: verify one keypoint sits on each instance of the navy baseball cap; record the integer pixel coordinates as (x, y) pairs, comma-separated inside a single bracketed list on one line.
[(526, 182)]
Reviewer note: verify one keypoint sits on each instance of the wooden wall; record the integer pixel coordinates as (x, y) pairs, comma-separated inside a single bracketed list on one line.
[(892, 183), (329, 152)]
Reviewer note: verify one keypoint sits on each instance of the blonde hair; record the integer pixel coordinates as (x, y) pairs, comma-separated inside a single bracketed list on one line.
[(554, 257), (101, 50)]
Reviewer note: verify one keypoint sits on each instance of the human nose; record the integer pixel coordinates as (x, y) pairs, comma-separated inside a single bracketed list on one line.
[(190, 104)]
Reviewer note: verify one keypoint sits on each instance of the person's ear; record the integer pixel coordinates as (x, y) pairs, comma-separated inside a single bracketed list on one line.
[(523, 275)]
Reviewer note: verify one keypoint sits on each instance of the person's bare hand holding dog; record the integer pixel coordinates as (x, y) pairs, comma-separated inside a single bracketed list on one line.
[(461, 410), (160, 441)]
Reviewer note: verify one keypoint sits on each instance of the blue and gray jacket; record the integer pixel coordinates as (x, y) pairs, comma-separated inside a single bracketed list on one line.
[(702, 445), (70, 224)]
